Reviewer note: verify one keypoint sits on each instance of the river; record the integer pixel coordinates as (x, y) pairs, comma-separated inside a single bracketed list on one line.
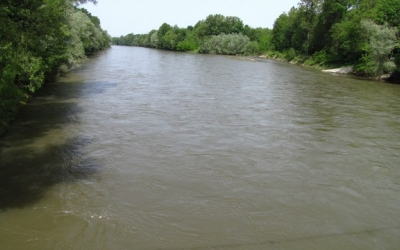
[(149, 149)]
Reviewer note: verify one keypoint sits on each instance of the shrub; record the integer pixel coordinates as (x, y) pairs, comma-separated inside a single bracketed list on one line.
[(320, 57), (365, 66), (290, 54), (186, 46), (252, 48), (231, 44), (389, 67), (381, 42)]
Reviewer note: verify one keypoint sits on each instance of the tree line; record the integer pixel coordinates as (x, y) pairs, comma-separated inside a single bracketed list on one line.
[(216, 34), (363, 33), (39, 39)]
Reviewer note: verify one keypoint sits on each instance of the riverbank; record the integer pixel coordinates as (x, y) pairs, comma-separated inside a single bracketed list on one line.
[(317, 61), (328, 68)]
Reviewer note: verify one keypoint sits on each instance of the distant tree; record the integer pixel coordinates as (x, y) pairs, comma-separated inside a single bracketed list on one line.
[(200, 29), (154, 39), (262, 36), (190, 42), (219, 24), (170, 40), (163, 42), (226, 44)]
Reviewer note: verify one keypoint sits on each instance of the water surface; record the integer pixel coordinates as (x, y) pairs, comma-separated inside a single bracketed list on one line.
[(148, 149)]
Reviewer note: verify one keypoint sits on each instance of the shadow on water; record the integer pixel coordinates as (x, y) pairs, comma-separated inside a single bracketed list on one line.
[(43, 148), (25, 177)]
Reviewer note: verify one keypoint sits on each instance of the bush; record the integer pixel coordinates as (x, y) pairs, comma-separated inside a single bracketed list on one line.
[(365, 67), (186, 46), (309, 62), (189, 43), (381, 42), (231, 44), (389, 67), (253, 48), (320, 57), (290, 54)]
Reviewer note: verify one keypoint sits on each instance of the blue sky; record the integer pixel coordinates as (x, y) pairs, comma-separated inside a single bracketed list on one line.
[(121, 17)]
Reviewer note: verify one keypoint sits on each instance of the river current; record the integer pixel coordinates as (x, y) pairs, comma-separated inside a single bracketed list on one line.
[(149, 149)]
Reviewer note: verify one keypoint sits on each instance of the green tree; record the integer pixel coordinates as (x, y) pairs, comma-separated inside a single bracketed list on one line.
[(387, 11), (37, 40), (190, 43), (170, 40), (283, 30), (265, 41), (219, 24), (333, 11), (347, 42), (226, 44), (200, 29), (306, 22), (381, 42), (154, 39), (262, 36), (162, 31)]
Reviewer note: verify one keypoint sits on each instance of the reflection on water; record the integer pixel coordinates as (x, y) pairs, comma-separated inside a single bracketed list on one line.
[(146, 149)]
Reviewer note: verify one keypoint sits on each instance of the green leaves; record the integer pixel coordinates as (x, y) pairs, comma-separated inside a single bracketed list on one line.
[(37, 38), (84, 31), (226, 44), (341, 30), (234, 37), (219, 24), (190, 43), (381, 42)]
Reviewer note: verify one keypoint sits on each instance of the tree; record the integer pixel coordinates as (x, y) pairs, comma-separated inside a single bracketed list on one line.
[(283, 30), (308, 14), (347, 42), (333, 11), (170, 40), (226, 44), (36, 40), (381, 42), (162, 31), (190, 43), (387, 11), (262, 36), (219, 24)]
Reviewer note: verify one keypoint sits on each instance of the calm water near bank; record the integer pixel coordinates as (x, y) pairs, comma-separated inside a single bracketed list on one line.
[(149, 149)]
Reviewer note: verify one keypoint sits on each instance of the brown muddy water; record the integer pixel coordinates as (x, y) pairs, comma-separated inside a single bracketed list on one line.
[(147, 149)]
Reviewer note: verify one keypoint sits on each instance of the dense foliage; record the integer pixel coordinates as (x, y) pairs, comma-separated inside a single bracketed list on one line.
[(215, 34), (223, 44), (362, 33), (38, 40)]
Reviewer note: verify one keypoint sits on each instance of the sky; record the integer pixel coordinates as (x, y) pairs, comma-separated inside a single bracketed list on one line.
[(121, 17)]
